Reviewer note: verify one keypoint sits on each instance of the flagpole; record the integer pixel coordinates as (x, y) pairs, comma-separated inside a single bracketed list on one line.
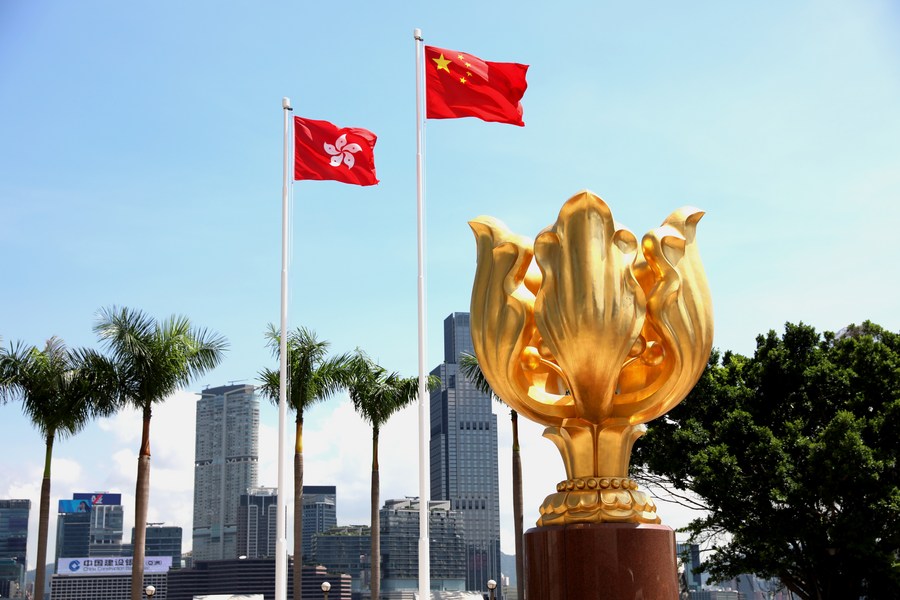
[(424, 399), (281, 516)]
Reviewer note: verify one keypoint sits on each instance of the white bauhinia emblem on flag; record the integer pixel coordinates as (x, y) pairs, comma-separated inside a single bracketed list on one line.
[(341, 151)]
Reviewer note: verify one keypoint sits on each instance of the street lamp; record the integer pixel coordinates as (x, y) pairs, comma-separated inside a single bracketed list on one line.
[(150, 590), (325, 587), (492, 585)]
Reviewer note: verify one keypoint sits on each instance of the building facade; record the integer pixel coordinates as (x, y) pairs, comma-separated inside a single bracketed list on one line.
[(464, 456), (13, 543), (90, 524), (400, 546), (226, 463), (319, 515), (346, 549), (103, 586), (251, 576), (162, 540), (257, 523)]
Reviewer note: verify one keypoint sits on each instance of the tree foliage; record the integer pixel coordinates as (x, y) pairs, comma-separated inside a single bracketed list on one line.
[(794, 453), (60, 390), (152, 359), (312, 377), (376, 395)]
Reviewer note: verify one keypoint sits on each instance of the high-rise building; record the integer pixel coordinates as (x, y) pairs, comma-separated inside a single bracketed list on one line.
[(13, 542), (464, 456), (319, 514), (257, 523), (226, 463), (689, 556), (400, 546), (346, 549), (90, 524), (161, 540)]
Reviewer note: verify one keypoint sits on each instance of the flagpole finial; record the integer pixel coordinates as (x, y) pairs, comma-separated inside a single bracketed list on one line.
[(286, 103), (417, 33)]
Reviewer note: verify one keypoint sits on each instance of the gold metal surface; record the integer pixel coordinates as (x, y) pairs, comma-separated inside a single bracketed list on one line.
[(592, 334)]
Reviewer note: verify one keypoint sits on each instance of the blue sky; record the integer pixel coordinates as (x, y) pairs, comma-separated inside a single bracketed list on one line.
[(140, 165)]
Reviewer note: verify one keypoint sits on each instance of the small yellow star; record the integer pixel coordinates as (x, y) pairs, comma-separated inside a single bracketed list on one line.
[(462, 79), (468, 65), (442, 63), (460, 57), (468, 73)]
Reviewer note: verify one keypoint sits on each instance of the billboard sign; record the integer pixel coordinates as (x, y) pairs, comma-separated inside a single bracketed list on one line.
[(106, 565), (99, 498), (74, 506)]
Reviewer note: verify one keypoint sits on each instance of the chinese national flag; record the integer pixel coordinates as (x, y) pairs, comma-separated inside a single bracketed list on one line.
[(462, 85), (323, 150)]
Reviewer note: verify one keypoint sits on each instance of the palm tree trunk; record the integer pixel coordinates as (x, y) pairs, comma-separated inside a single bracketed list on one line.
[(375, 579), (298, 509), (517, 506), (43, 522), (141, 502)]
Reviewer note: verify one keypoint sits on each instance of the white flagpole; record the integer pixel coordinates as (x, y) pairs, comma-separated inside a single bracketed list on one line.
[(424, 399), (281, 517)]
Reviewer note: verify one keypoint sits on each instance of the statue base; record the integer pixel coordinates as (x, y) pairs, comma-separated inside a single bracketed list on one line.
[(608, 561)]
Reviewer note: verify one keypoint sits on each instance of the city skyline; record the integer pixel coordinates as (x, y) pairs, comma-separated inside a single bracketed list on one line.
[(141, 163)]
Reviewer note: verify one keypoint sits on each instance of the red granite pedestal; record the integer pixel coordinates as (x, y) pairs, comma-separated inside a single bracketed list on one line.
[(603, 561)]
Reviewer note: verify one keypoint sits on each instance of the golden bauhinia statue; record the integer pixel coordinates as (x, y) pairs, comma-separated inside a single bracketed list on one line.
[(592, 334)]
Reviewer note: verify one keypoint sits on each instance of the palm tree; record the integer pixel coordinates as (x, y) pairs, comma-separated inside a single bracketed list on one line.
[(61, 390), (468, 364), (312, 378), (152, 359), (376, 396)]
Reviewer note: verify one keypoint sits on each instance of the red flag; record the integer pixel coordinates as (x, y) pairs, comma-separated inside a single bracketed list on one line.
[(323, 150), (462, 85)]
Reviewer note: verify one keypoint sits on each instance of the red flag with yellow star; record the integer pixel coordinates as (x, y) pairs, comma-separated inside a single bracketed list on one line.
[(461, 85)]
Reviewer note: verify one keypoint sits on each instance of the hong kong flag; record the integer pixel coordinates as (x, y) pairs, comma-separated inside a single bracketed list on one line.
[(322, 150)]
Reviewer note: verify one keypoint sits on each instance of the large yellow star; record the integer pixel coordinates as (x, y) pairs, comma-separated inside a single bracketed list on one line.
[(442, 63)]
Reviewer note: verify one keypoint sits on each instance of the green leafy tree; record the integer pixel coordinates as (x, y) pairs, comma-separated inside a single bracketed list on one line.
[(152, 359), (376, 395), (312, 377), (468, 364), (794, 453), (60, 390)]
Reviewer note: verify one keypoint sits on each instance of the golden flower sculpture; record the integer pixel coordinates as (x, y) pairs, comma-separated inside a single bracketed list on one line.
[(592, 334)]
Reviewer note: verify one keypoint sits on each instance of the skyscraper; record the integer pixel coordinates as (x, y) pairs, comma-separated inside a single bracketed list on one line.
[(90, 524), (226, 462), (13, 542), (257, 523), (319, 514), (464, 456)]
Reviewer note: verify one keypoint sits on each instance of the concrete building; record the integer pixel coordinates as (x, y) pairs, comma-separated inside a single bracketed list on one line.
[(13, 543), (103, 587), (319, 515), (400, 546), (226, 463), (105, 578), (464, 456), (251, 576), (257, 518)]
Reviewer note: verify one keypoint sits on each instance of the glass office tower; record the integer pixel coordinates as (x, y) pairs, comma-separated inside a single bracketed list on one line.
[(464, 456)]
